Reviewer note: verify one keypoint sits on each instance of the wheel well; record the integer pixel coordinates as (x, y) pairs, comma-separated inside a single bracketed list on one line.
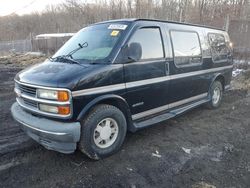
[(118, 104), (221, 79)]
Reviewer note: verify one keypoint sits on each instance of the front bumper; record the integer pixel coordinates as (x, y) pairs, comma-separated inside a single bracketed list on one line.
[(53, 135)]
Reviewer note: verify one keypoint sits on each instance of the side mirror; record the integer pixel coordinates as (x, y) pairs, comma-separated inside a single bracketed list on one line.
[(134, 52)]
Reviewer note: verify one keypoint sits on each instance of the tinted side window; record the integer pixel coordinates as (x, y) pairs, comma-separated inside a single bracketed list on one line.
[(187, 49), (150, 41), (218, 45)]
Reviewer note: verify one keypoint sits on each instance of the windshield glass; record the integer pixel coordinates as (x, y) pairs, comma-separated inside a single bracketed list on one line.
[(96, 42)]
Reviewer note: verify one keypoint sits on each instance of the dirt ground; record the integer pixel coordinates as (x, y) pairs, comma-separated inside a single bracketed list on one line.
[(200, 149)]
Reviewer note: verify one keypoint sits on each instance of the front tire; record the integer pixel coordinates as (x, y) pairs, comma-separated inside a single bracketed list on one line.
[(103, 132), (216, 92)]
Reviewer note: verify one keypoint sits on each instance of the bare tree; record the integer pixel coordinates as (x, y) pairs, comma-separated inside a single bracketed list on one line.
[(72, 15)]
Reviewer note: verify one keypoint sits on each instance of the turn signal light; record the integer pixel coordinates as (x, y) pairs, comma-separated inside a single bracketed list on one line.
[(63, 110), (62, 96)]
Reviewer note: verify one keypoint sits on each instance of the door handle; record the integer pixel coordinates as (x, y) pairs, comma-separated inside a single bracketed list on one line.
[(167, 68)]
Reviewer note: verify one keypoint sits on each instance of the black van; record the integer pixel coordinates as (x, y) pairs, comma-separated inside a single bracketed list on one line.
[(120, 75)]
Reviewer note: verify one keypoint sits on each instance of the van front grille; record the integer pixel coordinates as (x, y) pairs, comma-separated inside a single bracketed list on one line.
[(27, 90), (30, 103)]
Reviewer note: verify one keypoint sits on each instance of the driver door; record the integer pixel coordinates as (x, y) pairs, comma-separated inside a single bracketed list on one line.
[(146, 78)]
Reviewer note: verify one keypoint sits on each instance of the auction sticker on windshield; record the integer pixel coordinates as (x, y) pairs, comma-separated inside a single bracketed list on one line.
[(114, 33), (117, 26)]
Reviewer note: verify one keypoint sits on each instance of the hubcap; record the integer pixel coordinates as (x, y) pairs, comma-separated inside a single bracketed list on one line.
[(105, 133), (216, 95)]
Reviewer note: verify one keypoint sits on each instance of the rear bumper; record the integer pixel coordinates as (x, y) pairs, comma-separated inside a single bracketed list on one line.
[(53, 135)]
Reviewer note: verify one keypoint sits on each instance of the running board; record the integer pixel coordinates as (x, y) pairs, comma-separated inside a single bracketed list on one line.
[(167, 115)]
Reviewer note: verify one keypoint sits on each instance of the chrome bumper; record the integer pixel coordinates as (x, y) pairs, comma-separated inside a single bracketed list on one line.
[(53, 135)]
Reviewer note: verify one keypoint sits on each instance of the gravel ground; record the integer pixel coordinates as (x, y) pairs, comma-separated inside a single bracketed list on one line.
[(200, 149)]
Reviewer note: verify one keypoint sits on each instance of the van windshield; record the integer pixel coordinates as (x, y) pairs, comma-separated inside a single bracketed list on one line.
[(92, 44)]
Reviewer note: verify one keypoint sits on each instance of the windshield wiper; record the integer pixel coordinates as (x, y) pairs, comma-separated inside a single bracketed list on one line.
[(63, 58), (84, 45), (68, 57)]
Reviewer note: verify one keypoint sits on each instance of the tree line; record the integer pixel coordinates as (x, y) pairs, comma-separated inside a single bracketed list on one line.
[(72, 15)]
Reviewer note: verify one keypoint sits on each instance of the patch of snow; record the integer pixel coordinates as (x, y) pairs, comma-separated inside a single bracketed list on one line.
[(130, 169), (186, 150), (156, 154), (54, 35), (237, 72), (35, 53), (5, 56)]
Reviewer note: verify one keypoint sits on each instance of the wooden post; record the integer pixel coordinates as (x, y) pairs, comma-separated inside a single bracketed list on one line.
[(227, 23)]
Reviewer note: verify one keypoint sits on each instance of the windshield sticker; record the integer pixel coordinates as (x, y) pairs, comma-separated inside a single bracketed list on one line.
[(114, 33), (117, 26)]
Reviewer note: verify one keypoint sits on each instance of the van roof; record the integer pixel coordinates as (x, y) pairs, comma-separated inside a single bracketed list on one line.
[(158, 20)]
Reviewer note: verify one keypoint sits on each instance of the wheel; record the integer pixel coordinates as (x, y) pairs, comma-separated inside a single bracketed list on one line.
[(103, 132), (216, 95)]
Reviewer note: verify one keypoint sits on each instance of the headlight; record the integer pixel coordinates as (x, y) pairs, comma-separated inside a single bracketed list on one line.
[(53, 95)]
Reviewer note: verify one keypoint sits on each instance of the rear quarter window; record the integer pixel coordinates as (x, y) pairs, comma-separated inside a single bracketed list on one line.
[(219, 48), (186, 47)]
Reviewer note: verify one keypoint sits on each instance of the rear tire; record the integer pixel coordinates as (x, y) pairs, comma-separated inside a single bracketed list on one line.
[(216, 92), (103, 132)]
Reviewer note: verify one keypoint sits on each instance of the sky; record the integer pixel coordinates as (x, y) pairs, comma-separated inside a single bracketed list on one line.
[(24, 6)]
